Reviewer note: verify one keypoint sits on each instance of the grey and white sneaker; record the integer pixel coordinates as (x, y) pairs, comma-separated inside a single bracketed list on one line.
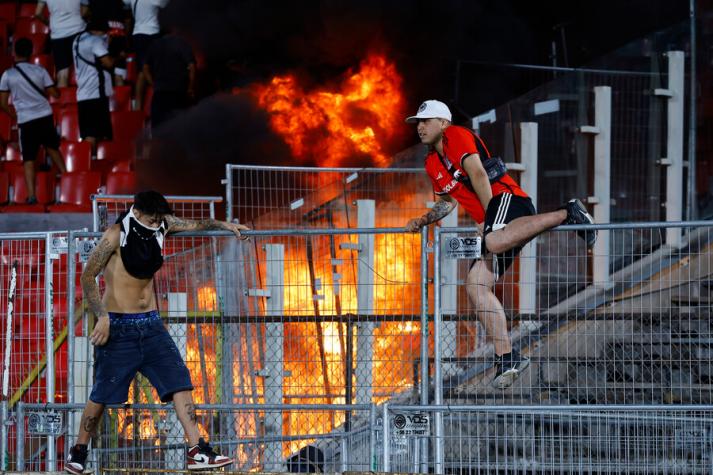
[(203, 457), (509, 368), (577, 214)]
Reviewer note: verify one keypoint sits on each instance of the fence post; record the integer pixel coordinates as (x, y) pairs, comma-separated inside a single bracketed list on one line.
[(177, 307), (602, 179), (365, 303), (49, 346), (449, 299), (437, 374), (423, 452), (528, 255), (20, 433), (274, 371), (674, 144), (228, 182), (385, 438)]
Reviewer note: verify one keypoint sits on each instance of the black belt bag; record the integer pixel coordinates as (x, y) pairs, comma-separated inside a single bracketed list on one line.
[(495, 168)]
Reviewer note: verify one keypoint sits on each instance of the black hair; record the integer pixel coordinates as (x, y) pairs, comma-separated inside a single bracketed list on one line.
[(152, 203), (23, 47), (98, 24)]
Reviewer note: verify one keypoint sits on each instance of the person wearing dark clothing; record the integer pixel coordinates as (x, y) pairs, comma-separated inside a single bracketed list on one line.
[(171, 68)]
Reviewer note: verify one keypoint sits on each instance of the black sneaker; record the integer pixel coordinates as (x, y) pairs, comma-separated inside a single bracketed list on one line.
[(508, 368), (202, 457), (577, 214), (77, 459), (31, 200)]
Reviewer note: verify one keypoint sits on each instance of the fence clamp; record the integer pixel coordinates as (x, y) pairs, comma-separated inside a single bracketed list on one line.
[(664, 162), (259, 293), (350, 245)]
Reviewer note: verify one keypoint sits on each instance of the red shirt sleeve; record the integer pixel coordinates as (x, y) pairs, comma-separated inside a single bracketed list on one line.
[(458, 143), (431, 172)]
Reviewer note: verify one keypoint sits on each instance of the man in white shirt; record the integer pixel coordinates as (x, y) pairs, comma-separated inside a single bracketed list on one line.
[(65, 24), (93, 65), (28, 85), (146, 29)]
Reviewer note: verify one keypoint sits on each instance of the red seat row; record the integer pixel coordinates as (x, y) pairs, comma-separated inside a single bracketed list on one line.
[(75, 190)]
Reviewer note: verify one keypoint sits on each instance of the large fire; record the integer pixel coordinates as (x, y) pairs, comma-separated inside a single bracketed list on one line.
[(331, 126)]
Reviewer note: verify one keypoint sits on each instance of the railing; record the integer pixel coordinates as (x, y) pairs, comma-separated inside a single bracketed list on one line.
[(309, 337)]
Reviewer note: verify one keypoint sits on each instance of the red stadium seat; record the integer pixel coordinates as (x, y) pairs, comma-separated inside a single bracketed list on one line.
[(28, 10), (116, 150), (5, 127), (4, 187), (12, 153), (26, 26), (122, 166), (39, 42), (8, 11), (131, 72), (127, 125), (75, 190), (121, 99), (69, 124), (77, 155), (44, 191), (44, 60), (67, 95), (121, 183)]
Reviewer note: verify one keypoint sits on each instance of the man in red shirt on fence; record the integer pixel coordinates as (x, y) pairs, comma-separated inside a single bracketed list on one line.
[(463, 172)]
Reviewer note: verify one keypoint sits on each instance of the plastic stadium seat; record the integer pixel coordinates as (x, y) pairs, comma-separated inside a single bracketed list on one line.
[(75, 190), (12, 153), (121, 183), (39, 42), (4, 187), (122, 166), (28, 10), (121, 99), (131, 72), (69, 124), (44, 60), (8, 11), (67, 95), (5, 127), (44, 190), (26, 26), (127, 125), (115, 150), (77, 156)]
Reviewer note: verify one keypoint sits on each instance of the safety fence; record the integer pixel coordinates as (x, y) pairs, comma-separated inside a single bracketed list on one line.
[(298, 340)]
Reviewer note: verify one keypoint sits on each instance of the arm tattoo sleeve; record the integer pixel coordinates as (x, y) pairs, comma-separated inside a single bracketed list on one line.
[(100, 256), (178, 224), (191, 411), (439, 210)]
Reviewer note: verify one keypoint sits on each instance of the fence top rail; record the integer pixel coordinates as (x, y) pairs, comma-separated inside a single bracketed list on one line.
[(324, 169), (440, 230), (210, 407), (129, 198), (552, 408), (622, 72), (28, 235)]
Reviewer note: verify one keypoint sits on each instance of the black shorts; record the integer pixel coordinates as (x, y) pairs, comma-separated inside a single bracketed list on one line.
[(501, 210), (62, 51), (36, 133), (141, 44), (94, 119)]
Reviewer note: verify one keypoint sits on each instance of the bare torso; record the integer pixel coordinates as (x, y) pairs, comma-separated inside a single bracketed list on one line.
[(124, 293)]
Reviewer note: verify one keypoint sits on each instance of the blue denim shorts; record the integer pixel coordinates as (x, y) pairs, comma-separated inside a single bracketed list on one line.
[(138, 342)]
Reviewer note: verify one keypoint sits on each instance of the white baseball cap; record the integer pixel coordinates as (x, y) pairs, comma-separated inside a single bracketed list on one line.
[(431, 110)]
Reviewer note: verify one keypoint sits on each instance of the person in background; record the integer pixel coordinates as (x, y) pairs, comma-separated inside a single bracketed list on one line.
[(94, 66), (28, 85), (171, 68), (65, 23)]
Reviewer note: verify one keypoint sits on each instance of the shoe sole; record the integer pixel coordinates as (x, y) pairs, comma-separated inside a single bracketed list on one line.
[(507, 379), (74, 471), (208, 466)]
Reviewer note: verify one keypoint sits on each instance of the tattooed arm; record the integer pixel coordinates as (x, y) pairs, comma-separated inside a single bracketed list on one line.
[(179, 224), (444, 205), (97, 261)]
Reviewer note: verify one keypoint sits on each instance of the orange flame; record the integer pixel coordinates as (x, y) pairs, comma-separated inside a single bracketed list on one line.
[(333, 126)]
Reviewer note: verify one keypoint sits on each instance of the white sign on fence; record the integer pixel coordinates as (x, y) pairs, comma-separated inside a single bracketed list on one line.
[(463, 247)]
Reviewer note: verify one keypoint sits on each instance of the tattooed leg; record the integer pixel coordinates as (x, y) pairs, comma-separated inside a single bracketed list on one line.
[(186, 412), (90, 421)]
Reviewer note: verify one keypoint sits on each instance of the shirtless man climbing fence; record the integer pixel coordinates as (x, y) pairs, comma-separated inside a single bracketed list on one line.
[(129, 335)]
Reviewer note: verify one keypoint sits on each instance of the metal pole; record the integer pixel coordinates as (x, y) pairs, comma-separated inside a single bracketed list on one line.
[(424, 340), (528, 256), (438, 379), (602, 182), (674, 145), (372, 438), (228, 192), (20, 445), (49, 347), (71, 276), (385, 438), (692, 120)]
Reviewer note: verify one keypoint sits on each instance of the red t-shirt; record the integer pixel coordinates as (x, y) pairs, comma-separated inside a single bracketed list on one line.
[(458, 143)]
